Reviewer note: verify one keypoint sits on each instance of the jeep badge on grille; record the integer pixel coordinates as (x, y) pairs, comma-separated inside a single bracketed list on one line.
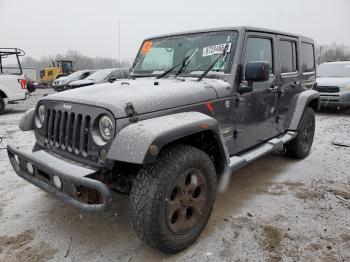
[(67, 107)]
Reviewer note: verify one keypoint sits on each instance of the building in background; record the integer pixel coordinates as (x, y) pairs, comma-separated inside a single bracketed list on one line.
[(30, 72)]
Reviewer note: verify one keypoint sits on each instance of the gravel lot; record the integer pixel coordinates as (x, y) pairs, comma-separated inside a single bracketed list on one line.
[(275, 209)]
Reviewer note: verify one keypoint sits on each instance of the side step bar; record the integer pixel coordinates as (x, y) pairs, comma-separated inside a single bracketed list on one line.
[(236, 162)]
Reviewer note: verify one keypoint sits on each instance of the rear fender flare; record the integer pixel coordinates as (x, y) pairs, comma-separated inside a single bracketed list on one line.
[(140, 143), (298, 105)]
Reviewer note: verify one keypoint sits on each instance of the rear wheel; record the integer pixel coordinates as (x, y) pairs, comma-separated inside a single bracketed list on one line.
[(300, 146), (172, 198), (2, 105)]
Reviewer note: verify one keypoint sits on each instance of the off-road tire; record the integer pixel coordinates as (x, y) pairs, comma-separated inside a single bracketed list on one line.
[(300, 146), (150, 193), (2, 105)]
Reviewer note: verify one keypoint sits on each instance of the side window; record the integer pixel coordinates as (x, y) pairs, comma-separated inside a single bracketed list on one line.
[(120, 74), (258, 50), (126, 73), (288, 56), (308, 57)]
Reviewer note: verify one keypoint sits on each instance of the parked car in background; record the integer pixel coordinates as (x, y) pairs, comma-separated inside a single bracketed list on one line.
[(13, 84), (101, 76), (333, 82), (61, 83)]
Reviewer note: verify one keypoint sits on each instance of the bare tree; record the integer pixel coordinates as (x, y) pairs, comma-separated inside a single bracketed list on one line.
[(332, 52), (81, 62)]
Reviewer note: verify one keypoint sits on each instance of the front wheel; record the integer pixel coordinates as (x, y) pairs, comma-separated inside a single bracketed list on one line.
[(300, 146), (2, 105), (172, 198)]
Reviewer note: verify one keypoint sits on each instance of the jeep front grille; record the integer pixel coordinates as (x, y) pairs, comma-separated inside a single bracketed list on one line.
[(67, 130)]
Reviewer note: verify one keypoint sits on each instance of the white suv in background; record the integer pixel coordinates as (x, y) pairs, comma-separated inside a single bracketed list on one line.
[(13, 84), (333, 83)]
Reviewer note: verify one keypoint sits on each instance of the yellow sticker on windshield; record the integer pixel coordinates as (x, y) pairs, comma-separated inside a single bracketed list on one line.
[(146, 47)]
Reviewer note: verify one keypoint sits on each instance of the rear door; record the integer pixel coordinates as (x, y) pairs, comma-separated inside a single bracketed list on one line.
[(256, 113), (288, 83)]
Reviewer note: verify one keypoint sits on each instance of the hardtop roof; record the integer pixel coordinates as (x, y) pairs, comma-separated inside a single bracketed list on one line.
[(237, 28)]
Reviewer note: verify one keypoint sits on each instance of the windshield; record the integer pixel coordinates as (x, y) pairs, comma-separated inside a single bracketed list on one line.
[(334, 70), (160, 54), (76, 74), (99, 75)]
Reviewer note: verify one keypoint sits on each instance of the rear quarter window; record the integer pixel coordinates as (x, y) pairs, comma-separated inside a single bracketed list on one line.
[(307, 57)]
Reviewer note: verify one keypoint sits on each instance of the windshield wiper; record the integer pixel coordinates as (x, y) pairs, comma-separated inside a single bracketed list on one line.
[(183, 64), (222, 55), (186, 62)]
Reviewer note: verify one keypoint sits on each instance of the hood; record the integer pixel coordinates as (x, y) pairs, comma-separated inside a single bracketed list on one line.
[(333, 81), (145, 94), (82, 82), (66, 79), (63, 78)]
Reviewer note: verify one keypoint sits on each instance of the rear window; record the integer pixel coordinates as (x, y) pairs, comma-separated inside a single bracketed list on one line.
[(308, 57), (288, 56)]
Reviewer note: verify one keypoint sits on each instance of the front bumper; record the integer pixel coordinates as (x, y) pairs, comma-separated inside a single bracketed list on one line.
[(76, 185), (60, 88), (339, 99)]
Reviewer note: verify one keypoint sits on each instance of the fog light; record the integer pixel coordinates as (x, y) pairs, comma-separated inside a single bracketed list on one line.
[(103, 155), (30, 168), (57, 182)]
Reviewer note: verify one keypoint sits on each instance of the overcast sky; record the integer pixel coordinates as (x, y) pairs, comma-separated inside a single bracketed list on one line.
[(43, 27)]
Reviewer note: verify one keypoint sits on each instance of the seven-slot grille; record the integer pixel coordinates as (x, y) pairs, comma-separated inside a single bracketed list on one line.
[(67, 130)]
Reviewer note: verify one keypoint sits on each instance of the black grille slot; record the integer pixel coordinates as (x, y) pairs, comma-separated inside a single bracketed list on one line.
[(67, 130), (328, 89)]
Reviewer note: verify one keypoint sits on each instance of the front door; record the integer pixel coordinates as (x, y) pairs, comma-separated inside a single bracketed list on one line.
[(256, 110), (288, 78)]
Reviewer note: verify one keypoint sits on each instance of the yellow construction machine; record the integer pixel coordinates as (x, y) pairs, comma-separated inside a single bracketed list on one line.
[(58, 69)]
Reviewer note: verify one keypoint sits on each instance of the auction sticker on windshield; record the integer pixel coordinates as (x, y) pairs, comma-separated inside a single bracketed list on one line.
[(215, 49), (146, 47)]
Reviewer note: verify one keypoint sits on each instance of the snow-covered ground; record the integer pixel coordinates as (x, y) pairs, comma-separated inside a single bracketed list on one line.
[(275, 209)]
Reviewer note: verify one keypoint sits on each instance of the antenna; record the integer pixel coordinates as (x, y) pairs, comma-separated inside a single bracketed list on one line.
[(119, 62)]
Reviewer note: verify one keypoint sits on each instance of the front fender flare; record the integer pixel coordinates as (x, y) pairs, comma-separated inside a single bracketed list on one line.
[(298, 106), (141, 142), (28, 120)]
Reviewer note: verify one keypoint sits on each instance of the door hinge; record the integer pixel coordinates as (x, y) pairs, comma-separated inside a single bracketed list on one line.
[(131, 112)]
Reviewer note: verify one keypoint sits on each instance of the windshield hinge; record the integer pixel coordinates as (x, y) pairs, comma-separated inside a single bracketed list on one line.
[(131, 112)]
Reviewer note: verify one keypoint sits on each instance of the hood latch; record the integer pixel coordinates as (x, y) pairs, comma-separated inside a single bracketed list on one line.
[(131, 112)]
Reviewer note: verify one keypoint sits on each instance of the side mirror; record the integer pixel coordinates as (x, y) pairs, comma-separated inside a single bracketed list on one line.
[(254, 72), (257, 72), (112, 79)]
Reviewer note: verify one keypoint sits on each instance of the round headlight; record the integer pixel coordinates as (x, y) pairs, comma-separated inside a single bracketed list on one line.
[(106, 127), (41, 113)]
